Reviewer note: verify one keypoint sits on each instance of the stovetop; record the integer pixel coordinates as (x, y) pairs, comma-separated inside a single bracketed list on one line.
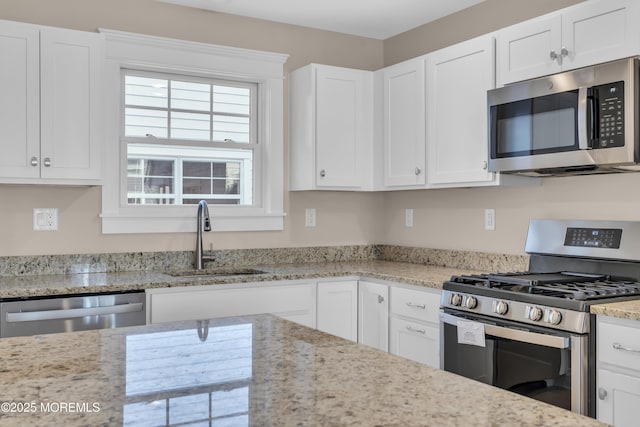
[(566, 285), (568, 290)]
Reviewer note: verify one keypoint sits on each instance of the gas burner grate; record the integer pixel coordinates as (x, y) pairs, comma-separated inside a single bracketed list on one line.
[(572, 286)]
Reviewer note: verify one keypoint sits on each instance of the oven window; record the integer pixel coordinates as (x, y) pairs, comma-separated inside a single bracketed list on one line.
[(542, 373), (540, 125)]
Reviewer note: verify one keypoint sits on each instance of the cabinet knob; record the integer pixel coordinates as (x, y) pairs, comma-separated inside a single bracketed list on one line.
[(485, 165), (602, 393), (553, 55), (418, 171), (47, 162), (34, 161), (564, 51), (380, 299), (322, 173)]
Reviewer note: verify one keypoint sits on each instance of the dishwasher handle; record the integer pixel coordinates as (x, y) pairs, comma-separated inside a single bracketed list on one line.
[(29, 316)]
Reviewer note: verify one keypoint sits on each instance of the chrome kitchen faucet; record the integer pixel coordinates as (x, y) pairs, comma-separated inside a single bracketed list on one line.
[(204, 224)]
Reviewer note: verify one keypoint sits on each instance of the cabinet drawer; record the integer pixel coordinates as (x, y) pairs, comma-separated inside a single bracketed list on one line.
[(619, 342), (417, 304)]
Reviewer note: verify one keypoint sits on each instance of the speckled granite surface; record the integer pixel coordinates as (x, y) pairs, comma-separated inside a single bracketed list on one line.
[(624, 310), (69, 284), (162, 261), (254, 371)]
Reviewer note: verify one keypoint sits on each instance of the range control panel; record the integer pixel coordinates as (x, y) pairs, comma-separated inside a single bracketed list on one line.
[(593, 237)]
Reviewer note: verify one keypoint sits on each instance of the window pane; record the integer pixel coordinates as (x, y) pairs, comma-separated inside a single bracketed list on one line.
[(196, 186), (191, 96), (226, 186), (146, 92), (190, 126), (140, 122), (234, 128), (197, 169), (231, 100)]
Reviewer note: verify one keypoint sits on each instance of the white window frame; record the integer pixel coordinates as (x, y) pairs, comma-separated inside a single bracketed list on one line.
[(163, 55)]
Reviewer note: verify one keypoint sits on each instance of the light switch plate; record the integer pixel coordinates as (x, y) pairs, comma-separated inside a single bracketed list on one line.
[(310, 217), (408, 217), (45, 219), (490, 219)]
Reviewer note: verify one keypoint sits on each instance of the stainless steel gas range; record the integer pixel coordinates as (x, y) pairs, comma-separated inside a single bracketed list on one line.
[(531, 332)]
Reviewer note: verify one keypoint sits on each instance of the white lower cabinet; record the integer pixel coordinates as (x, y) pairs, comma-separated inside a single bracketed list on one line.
[(414, 330), (291, 301), (338, 308), (373, 315), (618, 371)]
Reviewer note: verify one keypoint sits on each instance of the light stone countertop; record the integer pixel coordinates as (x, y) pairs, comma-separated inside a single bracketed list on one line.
[(81, 283), (623, 310), (254, 371)]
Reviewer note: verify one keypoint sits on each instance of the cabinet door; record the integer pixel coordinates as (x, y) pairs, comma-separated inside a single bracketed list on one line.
[(293, 302), (373, 315), (404, 124), (458, 80), (70, 86), (618, 398), (416, 341), (339, 126), (338, 309), (20, 101), (600, 31), (527, 50)]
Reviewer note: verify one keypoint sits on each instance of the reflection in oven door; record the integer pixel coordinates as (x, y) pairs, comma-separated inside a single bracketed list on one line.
[(531, 363)]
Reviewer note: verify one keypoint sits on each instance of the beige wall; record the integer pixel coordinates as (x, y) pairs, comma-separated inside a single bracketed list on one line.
[(483, 18), (443, 218)]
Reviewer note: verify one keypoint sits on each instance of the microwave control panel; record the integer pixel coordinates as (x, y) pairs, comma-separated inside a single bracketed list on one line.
[(609, 115)]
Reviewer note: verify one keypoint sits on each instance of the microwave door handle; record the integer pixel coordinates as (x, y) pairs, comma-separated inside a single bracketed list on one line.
[(584, 140), (515, 334)]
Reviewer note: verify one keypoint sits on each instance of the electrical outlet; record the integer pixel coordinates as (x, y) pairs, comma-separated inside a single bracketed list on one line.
[(489, 219), (310, 217), (408, 217), (45, 219)]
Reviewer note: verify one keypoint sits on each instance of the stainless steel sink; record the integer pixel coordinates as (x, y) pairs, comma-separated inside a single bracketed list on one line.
[(218, 272)]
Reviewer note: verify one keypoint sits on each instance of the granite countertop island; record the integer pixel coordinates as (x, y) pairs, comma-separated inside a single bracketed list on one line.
[(252, 371)]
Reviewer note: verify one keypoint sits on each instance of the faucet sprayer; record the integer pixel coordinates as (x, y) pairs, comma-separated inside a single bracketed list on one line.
[(204, 224)]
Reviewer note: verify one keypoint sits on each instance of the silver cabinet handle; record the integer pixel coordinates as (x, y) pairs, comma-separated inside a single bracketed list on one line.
[(47, 162), (564, 51), (70, 313), (420, 331), (34, 161), (380, 299), (421, 306), (553, 55), (418, 171), (322, 173), (619, 346), (485, 165), (602, 393)]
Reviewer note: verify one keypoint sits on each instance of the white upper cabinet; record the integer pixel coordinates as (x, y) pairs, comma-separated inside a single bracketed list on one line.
[(49, 114), (589, 33), (404, 124), (458, 79), (331, 128)]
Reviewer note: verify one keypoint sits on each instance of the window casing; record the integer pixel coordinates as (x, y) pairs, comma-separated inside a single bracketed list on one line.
[(208, 168)]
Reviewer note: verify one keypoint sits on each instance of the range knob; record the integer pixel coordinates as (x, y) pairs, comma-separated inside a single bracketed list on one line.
[(554, 317), (470, 302), (456, 299), (535, 313), (501, 308)]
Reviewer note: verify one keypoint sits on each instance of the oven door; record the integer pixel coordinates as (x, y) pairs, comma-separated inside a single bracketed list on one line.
[(546, 366)]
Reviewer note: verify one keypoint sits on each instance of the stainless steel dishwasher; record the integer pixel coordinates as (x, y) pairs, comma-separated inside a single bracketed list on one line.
[(71, 313)]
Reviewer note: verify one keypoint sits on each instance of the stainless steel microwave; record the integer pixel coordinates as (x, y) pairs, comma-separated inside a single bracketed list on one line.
[(576, 122)]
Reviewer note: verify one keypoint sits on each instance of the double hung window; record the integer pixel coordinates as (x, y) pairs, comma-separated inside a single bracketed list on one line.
[(189, 139)]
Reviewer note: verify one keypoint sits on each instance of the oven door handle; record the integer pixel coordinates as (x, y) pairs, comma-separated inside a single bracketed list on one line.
[(528, 337)]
